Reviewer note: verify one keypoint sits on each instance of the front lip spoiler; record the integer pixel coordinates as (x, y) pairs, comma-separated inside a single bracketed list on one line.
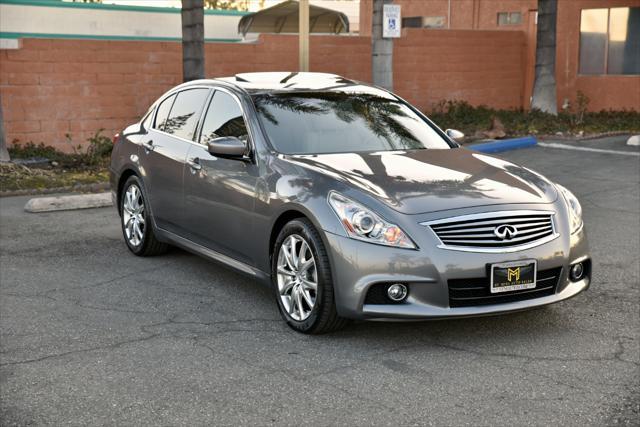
[(420, 311)]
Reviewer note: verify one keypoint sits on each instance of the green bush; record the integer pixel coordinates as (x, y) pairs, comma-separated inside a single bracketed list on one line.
[(517, 122), (97, 153)]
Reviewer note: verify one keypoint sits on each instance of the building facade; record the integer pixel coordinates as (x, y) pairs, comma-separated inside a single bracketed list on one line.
[(597, 41)]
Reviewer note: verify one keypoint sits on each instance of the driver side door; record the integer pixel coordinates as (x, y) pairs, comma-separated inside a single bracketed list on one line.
[(219, 192)]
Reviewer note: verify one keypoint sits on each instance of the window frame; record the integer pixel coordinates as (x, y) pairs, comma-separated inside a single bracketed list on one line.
[(205, 111), (579, 73), (176, 93)]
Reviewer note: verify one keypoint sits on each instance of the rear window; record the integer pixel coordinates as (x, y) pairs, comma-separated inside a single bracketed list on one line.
[(339, 122)]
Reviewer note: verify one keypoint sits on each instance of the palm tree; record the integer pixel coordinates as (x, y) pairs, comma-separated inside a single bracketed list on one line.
[(4, 153), (544, 85), (192, 40)]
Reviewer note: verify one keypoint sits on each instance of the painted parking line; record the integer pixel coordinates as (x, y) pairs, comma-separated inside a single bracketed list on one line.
[(593, 150)]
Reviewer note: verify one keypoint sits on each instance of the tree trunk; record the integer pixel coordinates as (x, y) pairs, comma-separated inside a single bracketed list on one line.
[(544, 84), (382, 49), (4, 153), (192, 40)]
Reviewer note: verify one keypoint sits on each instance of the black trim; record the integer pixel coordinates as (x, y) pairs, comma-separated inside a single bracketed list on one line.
[(476, 291)]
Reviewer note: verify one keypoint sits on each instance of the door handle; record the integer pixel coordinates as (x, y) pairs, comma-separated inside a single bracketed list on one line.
[(148, 145), (195, 164)]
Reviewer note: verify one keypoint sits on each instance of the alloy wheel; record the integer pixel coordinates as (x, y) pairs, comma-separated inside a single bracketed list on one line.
[(297, 277), (133, 215)]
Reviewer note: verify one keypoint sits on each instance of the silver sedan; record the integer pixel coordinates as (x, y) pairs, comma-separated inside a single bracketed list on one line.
[(345, 199)]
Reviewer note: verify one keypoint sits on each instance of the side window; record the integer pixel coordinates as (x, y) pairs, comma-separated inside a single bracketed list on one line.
[(185, 113), (163, 112), (224, 118)]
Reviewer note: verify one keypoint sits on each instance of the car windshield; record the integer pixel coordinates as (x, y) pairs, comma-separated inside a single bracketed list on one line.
[(340, 122)]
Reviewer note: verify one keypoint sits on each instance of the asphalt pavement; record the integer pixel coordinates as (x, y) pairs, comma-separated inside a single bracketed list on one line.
[(92, 335)]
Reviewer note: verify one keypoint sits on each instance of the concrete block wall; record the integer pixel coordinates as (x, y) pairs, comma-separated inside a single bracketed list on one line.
[(480, 67), (54, 88)]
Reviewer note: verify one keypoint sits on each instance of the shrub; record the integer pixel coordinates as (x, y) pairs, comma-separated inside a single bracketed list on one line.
[(97, 152), (474, 120)]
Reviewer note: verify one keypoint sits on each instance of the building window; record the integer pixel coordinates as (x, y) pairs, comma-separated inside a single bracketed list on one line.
[(412, 22), (610, 41), (423, 22), (509, 18)]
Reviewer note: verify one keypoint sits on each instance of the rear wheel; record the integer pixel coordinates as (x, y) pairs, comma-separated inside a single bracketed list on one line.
[(136, 220), (302, 276)]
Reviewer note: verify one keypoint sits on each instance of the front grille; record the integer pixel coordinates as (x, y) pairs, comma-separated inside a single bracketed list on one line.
[(481, 231), (476, 291)]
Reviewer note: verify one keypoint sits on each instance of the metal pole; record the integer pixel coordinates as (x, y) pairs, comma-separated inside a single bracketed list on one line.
[(303, 19), (449, 16)]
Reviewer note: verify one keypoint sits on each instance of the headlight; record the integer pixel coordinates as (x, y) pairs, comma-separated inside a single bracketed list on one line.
[(575, 210), (363, 224)]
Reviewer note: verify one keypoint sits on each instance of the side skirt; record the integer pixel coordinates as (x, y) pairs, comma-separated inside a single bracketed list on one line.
[(197, 249)]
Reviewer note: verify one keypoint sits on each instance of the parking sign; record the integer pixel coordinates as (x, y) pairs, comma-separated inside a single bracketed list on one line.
[(391, 21)]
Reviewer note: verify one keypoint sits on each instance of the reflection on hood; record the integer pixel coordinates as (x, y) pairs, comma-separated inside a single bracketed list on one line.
[(421, 181)]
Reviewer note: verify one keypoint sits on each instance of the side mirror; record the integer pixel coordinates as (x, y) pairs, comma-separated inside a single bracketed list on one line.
[(227, 146), (456, 135)]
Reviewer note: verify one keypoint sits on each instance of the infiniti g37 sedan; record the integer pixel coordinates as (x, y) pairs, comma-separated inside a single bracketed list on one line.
[(347, 200)]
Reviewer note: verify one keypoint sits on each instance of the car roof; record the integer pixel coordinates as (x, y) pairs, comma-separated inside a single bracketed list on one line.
[(290, 82)]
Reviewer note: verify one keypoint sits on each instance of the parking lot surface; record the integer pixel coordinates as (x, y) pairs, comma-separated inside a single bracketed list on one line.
[(90, 334)]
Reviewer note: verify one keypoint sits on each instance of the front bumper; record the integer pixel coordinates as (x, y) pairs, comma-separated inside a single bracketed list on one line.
[(357, 266)]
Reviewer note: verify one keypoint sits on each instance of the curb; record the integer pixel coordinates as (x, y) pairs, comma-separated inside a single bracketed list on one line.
[(504, 144), (586, 137), (63, 203), (83, 188)]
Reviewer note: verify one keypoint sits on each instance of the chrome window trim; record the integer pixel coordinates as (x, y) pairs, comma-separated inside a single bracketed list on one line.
[(176, 137), (496, 215)]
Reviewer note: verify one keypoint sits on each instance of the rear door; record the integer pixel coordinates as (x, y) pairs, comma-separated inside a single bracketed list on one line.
[(220, 192), (164, 153)]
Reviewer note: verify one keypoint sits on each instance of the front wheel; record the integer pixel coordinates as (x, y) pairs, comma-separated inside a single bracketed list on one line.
[(302, 280), (136, 220)]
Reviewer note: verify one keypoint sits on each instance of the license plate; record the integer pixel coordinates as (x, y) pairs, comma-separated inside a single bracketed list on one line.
[(513, 276)]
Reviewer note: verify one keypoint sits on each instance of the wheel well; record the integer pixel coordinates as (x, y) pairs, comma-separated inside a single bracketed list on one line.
[(283, 219), (123, 178)]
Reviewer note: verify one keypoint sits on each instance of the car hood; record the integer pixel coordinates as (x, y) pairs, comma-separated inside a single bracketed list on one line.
[(421, 181)]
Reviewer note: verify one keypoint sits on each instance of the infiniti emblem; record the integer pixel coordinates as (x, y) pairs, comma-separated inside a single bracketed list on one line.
[(505, 232)]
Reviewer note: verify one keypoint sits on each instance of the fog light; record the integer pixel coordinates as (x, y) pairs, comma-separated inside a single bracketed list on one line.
[(576, 272), (397, 292)]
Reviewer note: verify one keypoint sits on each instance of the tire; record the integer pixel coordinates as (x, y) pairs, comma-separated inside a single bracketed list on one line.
[(136, 223), (322, 317)]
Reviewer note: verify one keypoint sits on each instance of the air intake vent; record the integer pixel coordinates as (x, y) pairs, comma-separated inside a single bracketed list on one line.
[(504, 231), (475, 291)]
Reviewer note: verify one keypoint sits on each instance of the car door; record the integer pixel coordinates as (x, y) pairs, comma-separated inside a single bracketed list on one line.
[(220, 192), (165, 151)]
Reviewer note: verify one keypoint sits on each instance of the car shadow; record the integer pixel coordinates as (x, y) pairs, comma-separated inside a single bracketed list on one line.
[(508, 327)]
